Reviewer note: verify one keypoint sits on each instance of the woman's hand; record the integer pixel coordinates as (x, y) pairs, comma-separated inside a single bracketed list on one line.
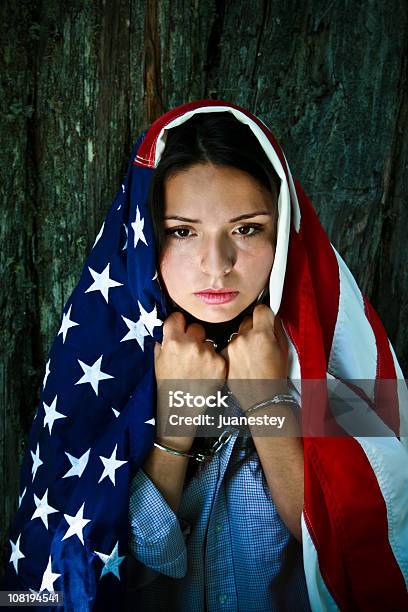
[(184, 356), (258, 353), (257, 369)]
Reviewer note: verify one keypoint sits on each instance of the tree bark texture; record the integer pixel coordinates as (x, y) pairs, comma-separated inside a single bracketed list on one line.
[(80, 79)]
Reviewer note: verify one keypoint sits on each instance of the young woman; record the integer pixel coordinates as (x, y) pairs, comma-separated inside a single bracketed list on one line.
[(116, 511), (215, 268)]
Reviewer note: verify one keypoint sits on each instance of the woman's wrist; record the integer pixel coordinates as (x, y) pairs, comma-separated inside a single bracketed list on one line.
[(276, 399), (180, 444), (284, 414), (252, 392)]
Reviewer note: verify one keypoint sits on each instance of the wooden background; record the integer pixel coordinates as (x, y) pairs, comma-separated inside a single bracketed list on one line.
[(81, 79)]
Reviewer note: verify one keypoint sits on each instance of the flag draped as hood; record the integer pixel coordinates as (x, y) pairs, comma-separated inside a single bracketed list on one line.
[(95, 423)]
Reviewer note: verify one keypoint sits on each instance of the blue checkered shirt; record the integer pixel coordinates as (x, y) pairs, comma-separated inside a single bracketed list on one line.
[(223, 550)]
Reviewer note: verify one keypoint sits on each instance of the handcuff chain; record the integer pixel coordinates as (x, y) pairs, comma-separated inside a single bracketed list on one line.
[(217, 446)]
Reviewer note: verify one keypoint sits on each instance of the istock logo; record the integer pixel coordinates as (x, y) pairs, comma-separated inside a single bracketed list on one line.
[(177, 399)]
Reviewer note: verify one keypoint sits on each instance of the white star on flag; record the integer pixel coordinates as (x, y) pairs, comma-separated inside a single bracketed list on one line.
[(110, 465), (149, 319), (111, 562), (155, 276), (48, 579), (78, 465), (137, 227), (151, 422), (47, 371), (76, 524), (43, 509), (36, 460), (99, 235), (137, 331), (115, 412), (126, 230), (20, 497), (66, 324), (102, 282), (16, 553), (51, 414), (93, 374)]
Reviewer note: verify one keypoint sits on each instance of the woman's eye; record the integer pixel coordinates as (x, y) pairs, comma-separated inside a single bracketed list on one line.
[(172, 232), (257, 228), (175, 232)]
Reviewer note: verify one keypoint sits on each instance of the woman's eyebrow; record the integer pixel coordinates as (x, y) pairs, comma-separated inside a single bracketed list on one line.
[(244, 216)]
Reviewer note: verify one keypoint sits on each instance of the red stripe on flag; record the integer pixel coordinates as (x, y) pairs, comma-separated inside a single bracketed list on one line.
[(386, 388), (323, 268), (347, 519)]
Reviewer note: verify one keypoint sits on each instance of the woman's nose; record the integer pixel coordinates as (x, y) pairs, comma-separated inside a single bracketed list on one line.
[(217, 257)]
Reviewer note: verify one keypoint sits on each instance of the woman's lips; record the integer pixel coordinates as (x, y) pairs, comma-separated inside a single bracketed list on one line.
[(217, 298)]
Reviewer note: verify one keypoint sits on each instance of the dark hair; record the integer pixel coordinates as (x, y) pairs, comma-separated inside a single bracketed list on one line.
[(217, 138), (220, 139)]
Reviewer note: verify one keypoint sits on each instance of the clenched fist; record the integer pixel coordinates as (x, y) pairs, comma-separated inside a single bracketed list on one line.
[(257, 358), (184, 356)]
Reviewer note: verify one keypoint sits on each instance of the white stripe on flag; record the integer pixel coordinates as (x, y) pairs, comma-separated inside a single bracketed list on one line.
[(319, 596), (352, 413), (293, 365), (353, 353), (402, 399)]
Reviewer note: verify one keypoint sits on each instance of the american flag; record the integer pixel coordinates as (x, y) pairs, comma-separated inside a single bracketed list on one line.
[(95, 421)]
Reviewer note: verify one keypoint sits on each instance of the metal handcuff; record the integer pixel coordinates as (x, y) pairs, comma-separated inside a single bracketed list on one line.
[(218, 444), (229, 431), (215, 344), (201, 457)]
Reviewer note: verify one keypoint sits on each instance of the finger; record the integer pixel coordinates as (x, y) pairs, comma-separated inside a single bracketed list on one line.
[(263, 317), (246, 325), (174, 325), (196, 331)]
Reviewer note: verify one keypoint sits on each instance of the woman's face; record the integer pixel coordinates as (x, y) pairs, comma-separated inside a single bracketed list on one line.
[(210, 248)]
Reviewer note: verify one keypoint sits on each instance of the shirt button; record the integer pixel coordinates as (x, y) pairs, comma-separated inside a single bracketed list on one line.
[(222, 598), (218, 527)]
